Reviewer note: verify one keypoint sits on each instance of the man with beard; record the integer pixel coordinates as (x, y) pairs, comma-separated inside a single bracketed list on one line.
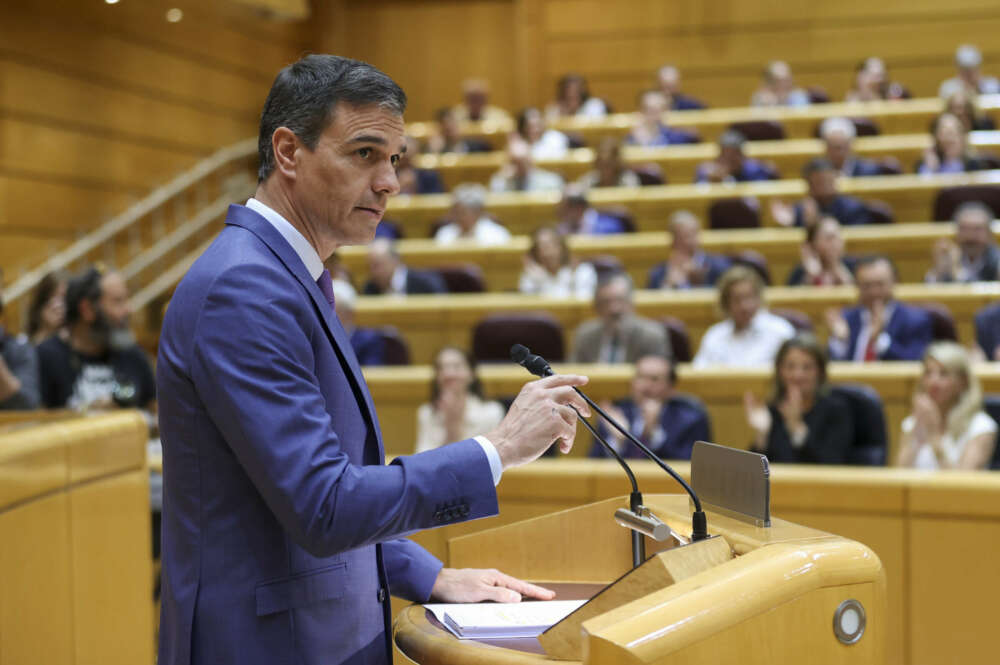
[(99, 366)]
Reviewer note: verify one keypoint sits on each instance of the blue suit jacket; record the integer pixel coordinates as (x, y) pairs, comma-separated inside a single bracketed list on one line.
[(683, 419), (280, 519), (988, 329), (909, 331)]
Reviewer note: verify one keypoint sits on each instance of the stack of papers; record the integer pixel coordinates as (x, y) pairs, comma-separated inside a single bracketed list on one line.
[(502, 620)]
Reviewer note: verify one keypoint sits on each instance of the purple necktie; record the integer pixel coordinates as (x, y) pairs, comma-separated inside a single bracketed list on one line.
[(326, 286)]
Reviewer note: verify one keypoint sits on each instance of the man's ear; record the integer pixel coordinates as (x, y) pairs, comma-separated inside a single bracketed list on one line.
[(285, 145)]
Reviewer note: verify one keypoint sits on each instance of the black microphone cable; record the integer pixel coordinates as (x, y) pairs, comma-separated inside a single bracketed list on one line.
[(539, 367)]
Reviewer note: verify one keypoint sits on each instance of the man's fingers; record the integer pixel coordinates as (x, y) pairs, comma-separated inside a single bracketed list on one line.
[(557, 380), (525, 588), (566, 395), (500, 594)]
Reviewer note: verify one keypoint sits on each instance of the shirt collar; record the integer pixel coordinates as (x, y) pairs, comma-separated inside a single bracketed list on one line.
[(306, 252)]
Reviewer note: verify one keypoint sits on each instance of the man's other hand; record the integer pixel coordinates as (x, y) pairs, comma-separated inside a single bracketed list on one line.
[(470, 585), (541, 415)]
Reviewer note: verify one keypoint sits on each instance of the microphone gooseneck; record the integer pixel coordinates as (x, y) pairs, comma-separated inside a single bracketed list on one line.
[(539, 367)]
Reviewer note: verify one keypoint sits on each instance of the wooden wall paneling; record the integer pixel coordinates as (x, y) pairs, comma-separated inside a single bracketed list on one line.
[(36, 603)]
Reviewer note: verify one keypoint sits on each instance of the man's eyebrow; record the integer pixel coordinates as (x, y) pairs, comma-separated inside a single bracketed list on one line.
[(369, 138)]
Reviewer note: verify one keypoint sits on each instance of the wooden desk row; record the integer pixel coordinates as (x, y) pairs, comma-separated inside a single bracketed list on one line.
[(910, 196), (398, 391), (936, 535), (909, 246), (75, 526), (906, 116), (429, 322), (680, 162)]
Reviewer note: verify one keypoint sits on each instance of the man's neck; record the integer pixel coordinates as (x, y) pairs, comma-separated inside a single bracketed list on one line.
[(275, 198)]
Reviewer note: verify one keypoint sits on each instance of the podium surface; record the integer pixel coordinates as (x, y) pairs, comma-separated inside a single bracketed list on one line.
[(753, 594)]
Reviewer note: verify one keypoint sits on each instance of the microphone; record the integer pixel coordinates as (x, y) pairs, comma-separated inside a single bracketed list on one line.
[(539, 367)]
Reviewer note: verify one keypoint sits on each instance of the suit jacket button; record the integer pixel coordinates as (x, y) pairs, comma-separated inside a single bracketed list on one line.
[(381, 595), (438, 516)]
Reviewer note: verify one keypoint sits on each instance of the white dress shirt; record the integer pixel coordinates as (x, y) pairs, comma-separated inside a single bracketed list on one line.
[(314, 265), (755, 346), (485, 232)]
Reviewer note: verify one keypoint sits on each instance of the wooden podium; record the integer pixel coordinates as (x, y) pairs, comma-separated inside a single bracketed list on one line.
[(750, 594)]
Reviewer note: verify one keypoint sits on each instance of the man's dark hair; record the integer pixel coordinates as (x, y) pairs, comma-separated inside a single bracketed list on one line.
[(305, 95), (85, 286), (817, 164), (871, 259)]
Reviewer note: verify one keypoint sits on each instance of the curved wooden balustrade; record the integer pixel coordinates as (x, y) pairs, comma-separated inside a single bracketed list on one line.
[(678, 163), (75, 526), (910, 196)]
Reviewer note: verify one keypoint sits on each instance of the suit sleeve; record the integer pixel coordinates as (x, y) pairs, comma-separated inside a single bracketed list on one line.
[(911, 339), (253, 362), (832, 432), (412, 570)]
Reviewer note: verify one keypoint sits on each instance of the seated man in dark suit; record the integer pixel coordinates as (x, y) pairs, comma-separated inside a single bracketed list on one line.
[(388, 274), (449, 136), (687, 266), (576, 216), (669, 79), (617, 335), (838, 134), (368, 343), (973, 256), (988, 331), (732, 165), (668, 423), (414, 180), (880, 327), (822, 199)]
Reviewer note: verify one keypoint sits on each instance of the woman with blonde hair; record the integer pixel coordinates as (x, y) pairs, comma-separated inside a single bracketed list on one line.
[(948, 428)]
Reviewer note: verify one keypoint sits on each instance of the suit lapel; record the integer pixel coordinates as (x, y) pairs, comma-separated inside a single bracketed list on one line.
[(244, 217)]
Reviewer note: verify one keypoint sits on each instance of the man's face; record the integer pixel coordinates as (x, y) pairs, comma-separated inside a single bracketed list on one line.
[(875, 283), (652, 379), (685, 236), (113, 303), (343, 186), (823, 185), (381, 265), (972, 232), (613, 302), (731, 157), (670, 80), (742, 303), (838, 148)]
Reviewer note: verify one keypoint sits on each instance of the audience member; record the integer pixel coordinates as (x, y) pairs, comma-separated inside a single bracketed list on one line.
[(987, 323), (804, 423), (650, 131), (609, 169), (948, 428), (950, 152), (573, 99), (520, 174), (469, 219), (475, 106), (389, 275), (576, 216), (98, 365), (973, 256), (871, 82), (669, 79), (821, 199), (750, 335), (838, 136), (778, 87), (968, 60), (823, 261), (47, 309), (879, 327), (663, 420), (413, 180), (549, 268), (457, 409), (618, 335), (962, 104), (367, 343), (18, 369), (687, 266), (732, 165), (449, 136), (545, 143)]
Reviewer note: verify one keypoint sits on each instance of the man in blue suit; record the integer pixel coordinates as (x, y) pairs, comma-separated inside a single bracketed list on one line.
[(282, 525), (988, 331), (881, 328)]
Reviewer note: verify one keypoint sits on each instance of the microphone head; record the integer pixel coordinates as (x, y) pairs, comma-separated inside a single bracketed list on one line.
[(519, 353)]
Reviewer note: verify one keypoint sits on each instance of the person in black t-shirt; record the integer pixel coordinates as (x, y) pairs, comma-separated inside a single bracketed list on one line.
[(99, 366)]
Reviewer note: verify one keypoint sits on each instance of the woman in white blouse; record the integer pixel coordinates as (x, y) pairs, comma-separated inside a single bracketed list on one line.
[(457, 409), (549, 269), (948, 428)]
